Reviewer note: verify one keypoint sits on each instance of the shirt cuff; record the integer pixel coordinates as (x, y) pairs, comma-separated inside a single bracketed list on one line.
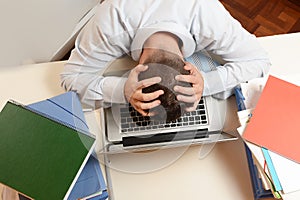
[(113, 89), (213, 83)]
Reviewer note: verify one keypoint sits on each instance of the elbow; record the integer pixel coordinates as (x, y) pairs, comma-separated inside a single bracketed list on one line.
[(66, 82)]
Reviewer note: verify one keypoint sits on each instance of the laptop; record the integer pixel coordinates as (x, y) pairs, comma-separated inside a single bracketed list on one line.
[(124, 129)]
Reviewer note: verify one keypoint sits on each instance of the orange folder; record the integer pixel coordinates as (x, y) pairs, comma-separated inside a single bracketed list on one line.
[(275, 122)]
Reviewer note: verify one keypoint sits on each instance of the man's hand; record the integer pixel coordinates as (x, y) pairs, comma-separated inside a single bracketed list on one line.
[(133, 91), (192, 94)]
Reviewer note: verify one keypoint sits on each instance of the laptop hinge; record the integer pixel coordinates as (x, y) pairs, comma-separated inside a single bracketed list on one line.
[(164, 137)]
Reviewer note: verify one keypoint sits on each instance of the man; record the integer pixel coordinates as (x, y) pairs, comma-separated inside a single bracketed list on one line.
[(139, 27), (163, 48)]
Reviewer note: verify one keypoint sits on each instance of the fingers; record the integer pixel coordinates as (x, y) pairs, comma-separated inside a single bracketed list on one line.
[(133, 91), (132, 85), (188, 99), (143, 107), (190, 109), (187, 78), (138, 69), (188, 66), (140, 96), (194, 77), (190, 94), (184, 90), (148, 82), (141, 101)]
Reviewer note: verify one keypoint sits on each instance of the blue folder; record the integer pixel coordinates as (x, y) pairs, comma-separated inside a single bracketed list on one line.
[(66, 109), (258, 190), (272, 170)]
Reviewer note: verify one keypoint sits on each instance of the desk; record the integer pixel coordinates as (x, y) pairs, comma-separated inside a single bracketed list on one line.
[(173, 173)]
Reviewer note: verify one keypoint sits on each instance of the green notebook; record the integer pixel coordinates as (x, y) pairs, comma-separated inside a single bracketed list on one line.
[(38, 156)]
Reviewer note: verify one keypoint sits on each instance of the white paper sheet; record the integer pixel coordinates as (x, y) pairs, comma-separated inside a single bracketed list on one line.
[(287, 171)]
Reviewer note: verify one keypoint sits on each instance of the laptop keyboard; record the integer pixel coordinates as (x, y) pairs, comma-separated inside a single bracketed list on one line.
[(133, 121)]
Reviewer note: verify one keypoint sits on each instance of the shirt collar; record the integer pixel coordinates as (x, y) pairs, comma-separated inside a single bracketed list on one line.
[(143, 33)]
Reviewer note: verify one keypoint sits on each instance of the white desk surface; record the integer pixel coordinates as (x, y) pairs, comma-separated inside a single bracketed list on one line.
[(173, 173)]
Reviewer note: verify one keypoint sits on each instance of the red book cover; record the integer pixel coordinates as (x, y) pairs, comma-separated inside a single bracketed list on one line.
[(275, 122)]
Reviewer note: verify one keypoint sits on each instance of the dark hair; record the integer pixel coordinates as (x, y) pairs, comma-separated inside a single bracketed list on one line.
[(166, 65)]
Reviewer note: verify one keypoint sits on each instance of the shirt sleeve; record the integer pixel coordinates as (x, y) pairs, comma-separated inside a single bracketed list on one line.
[(242, 57), (95, 48)]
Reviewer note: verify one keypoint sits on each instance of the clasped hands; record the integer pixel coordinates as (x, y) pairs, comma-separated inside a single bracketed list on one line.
[(143, 102)]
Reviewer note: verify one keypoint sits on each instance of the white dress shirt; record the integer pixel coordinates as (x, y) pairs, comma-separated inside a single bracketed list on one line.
[(121, 27)]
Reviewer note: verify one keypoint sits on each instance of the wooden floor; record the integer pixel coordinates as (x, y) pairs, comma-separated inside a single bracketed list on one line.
[(266, 17)]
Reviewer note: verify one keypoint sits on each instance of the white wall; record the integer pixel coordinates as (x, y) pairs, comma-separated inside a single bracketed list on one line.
[(33, 30)]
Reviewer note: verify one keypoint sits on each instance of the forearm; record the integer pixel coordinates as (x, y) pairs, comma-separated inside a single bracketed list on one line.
[(226, 77), (113, 89), (94, 89)]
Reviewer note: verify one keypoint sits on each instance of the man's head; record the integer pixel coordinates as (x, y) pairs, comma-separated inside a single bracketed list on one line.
[(166, 65)]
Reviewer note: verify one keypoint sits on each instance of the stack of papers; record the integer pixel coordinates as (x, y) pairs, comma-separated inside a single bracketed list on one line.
[(270, 125)]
